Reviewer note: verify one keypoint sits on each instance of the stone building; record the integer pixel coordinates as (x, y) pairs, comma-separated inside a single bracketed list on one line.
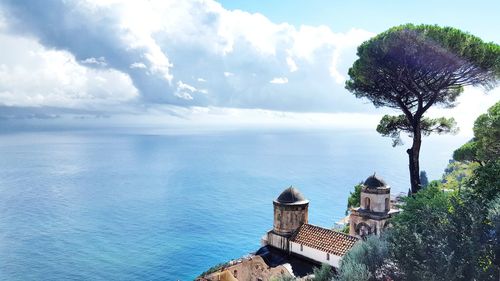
[(293, 234), (375, 208), (253, 267), (293, 247)]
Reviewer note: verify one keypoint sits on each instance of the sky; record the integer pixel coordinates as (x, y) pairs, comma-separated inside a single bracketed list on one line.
[(207, 63)]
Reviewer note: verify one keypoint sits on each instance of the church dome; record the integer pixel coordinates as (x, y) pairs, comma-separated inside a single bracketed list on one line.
[(374, 181), (291, 195)]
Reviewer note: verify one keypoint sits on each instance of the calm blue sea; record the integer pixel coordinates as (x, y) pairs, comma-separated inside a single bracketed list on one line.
[(166, 206)]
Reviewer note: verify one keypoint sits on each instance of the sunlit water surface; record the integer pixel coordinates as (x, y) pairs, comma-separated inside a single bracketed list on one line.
[(122, 206)]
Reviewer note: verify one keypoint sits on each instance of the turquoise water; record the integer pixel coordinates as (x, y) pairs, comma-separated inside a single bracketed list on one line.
[(122, 206)]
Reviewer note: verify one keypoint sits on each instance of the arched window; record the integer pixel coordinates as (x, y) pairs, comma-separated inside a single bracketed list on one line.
[(387, 205), (367, 203), (363, 230), (327, 256)]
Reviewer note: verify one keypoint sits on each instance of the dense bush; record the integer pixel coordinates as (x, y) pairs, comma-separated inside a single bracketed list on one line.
[(364, 259), (324, 273), (447, 231)]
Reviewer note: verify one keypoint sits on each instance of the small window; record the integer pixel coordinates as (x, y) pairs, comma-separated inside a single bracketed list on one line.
[(327, 256), (387, 204), (301, 247), (367, 203)]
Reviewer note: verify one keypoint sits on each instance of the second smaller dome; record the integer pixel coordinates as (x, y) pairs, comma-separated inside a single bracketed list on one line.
[(290, 195), (374, 181)]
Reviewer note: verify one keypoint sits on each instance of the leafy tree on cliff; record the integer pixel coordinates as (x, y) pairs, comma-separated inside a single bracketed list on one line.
[(467, 152), (413, 67), (354, 198), (485, 146), (366, 261), (454, 235), (424, 181), (324, 273)]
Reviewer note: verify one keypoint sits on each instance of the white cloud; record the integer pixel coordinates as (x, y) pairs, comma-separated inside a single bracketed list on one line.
[(207, 118), (138, 22), (291, 64), (33, 76), (138, 65), (185, 91), (184, 95), (3, 21), (184, 86), (101, 61), (279, 80), (175, 41)]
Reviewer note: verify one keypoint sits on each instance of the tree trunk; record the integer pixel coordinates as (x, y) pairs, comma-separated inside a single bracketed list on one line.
[(414, 155)]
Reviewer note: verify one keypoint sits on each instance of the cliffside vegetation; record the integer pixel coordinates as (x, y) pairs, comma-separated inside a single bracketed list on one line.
[(447, 231), (354, 198)]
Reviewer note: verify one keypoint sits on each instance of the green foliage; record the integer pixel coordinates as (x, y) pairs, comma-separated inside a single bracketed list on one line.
[(435, 184), (416, 238), (443, 236), (485, 181), (456, 174), (467, 152), (345, 229), (424, 181), (468, 254), (413, 67), (283, 278), (494, 217), (324, 273), (354, 271), (487, 134), (485, 146), (408, 61), (366, 256), (392, 126), (354, 198), (454, 235)]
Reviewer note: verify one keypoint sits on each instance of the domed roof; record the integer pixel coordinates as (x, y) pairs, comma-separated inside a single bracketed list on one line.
[(374, 181), (291, 195)]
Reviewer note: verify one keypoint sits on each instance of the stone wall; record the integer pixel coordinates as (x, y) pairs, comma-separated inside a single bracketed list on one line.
[(360, 226), (377, 201), (288, 218), (253, 268), (277, 241)]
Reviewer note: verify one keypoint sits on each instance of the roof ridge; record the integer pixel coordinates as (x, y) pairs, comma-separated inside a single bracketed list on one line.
[(324, 239), (332, 230)]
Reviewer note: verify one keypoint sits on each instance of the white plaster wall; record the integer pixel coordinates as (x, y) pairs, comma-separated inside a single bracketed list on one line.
[(315, 254)]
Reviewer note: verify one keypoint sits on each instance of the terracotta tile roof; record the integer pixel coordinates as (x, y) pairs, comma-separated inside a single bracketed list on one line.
[(323, 239)]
